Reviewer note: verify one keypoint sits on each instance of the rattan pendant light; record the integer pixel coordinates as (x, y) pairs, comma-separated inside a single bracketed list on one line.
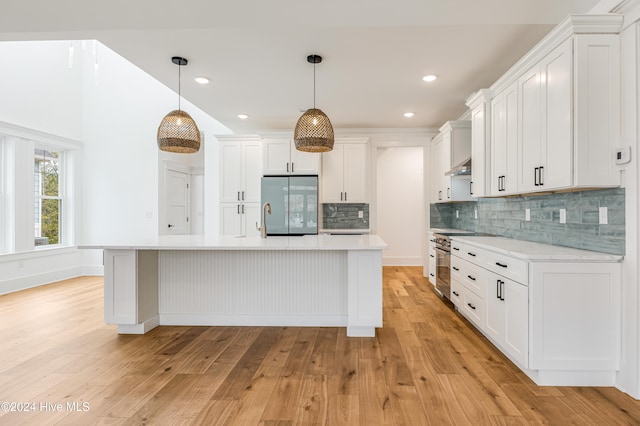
[(178, 132), (313, 132)]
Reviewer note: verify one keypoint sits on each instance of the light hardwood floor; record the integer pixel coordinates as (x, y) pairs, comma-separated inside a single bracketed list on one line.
[(426, 366)]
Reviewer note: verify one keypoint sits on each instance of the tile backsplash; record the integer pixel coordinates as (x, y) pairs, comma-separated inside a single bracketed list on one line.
[(506, 217), (345, 216)]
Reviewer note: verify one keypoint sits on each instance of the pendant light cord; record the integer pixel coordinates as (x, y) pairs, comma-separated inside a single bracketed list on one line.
[(179, 80), (314, 85)]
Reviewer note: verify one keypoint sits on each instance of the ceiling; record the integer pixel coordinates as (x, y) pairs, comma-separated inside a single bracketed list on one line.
[(254, 51)]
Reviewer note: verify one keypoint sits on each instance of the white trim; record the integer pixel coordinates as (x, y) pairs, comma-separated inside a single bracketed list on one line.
[(36, 280), (141, 328), (40, 138), (254, 320), (176, 167), (39, 252), (402, 261), (238, 138)]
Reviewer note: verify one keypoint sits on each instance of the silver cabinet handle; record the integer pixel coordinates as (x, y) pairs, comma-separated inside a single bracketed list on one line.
[(238, 195), (287, 167), (341, 196), (243, 209), (292, 169), (242, 195), (238, 208), (345, 196)]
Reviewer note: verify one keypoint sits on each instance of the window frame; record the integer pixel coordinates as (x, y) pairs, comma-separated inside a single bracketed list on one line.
[(60, 197)]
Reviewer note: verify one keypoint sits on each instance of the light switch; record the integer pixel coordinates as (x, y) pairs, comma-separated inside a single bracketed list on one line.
[(527, 215), (563, 215), (603, 216)]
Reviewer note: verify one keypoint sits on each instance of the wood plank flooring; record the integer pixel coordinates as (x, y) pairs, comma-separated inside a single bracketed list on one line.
[(426, 366)]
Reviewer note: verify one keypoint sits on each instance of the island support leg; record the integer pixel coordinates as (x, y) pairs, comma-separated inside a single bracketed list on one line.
[(364, 292)]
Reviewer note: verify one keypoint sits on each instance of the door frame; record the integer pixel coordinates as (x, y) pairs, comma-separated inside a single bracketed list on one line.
[(167, 166)]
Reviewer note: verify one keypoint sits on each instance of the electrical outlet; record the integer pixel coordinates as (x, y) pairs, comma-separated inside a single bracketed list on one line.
[(603, 216), (527, 215), (148, 215), (475, 213), (457, 214), (563, 215), (360, 214)]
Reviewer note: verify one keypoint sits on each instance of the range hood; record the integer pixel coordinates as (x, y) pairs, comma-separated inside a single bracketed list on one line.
[(463, 168)]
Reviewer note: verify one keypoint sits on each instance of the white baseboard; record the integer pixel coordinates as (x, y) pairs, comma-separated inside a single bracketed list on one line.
[(93, 270), (35, 280), (254, 320)]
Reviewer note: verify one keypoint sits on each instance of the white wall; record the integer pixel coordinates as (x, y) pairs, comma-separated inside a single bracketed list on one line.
[(400, 204), (115, 112), (123, 108)]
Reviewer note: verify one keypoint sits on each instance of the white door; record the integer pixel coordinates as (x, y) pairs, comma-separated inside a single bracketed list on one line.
[(231, 219), (251, 216), (276, 157), (354, 173), (231, 165), (177, 202), (332, 175), (304, 163), (251, 171)]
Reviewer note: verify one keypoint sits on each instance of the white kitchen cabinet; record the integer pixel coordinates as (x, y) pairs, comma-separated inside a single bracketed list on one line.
[(282, 158), (480, 105), (432, 257), (240, 169), (545, 122), (504, 142), (344, 173), (575, 311), (239, 219), (506, 320), (554, 311), (451, 147)]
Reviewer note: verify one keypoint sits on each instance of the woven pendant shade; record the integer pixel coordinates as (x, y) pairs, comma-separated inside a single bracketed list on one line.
[(313, 132), (178, 133)]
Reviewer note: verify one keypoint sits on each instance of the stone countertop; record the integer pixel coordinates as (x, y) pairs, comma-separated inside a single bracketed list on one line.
[(531, 251), (199, 242)]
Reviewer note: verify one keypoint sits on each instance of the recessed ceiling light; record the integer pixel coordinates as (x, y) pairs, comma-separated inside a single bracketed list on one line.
[(243, 116), (202, 80), (430, 77), (408, 114)]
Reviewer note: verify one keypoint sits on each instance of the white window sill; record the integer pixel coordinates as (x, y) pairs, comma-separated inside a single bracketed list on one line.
[(38, 252)]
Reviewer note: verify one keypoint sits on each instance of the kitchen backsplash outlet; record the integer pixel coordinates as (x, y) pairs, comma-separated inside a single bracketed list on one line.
[(345, 216), (506, 217)]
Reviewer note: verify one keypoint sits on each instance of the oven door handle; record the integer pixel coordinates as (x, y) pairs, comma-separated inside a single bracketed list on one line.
[(447, 253)]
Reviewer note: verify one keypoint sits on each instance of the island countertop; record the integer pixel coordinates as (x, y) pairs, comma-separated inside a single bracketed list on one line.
[(199, 242)]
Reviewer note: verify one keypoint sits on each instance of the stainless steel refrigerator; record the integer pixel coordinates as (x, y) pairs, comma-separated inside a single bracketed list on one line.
[(294, 204)]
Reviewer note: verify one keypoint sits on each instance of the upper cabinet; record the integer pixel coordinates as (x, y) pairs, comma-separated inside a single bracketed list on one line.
[(503, 170), (480, 105), (451, 147), (282, 158), (344, 174), (241, 169), (555, 115)]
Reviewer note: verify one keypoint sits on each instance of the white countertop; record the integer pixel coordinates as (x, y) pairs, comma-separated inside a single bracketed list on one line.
[(199, 242), (448, 230), (527, 250), (344, 231)]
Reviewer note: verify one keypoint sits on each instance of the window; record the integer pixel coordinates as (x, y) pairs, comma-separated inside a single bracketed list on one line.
[(47, 199)]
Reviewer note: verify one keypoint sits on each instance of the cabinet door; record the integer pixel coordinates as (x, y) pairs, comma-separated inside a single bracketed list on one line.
[(437, 172), (516, 321), (354, 173), (556, 150), (304, 163), (495, 313), (531, 128), (510, 179), (478, 151), (231, 219), (276, 157), (251, 171), (445, 185), (251, 216), (333, 175), (120, 287), (231, 173)]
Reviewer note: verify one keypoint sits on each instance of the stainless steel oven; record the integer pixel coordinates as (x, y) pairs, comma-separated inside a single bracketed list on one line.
[(443, 261)]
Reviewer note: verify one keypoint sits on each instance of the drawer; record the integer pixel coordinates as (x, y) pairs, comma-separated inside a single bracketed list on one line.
[(470, 275), (432, 254), (466, 252), (457, 293), (514, 269), (473, 308)]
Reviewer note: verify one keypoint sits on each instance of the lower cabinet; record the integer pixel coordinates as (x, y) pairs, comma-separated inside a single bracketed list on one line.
[(239, 219), (557, 319), (432, 259), (507, 316)]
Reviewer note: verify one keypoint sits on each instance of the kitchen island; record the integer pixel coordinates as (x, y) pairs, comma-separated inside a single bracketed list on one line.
[(311, 280)]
